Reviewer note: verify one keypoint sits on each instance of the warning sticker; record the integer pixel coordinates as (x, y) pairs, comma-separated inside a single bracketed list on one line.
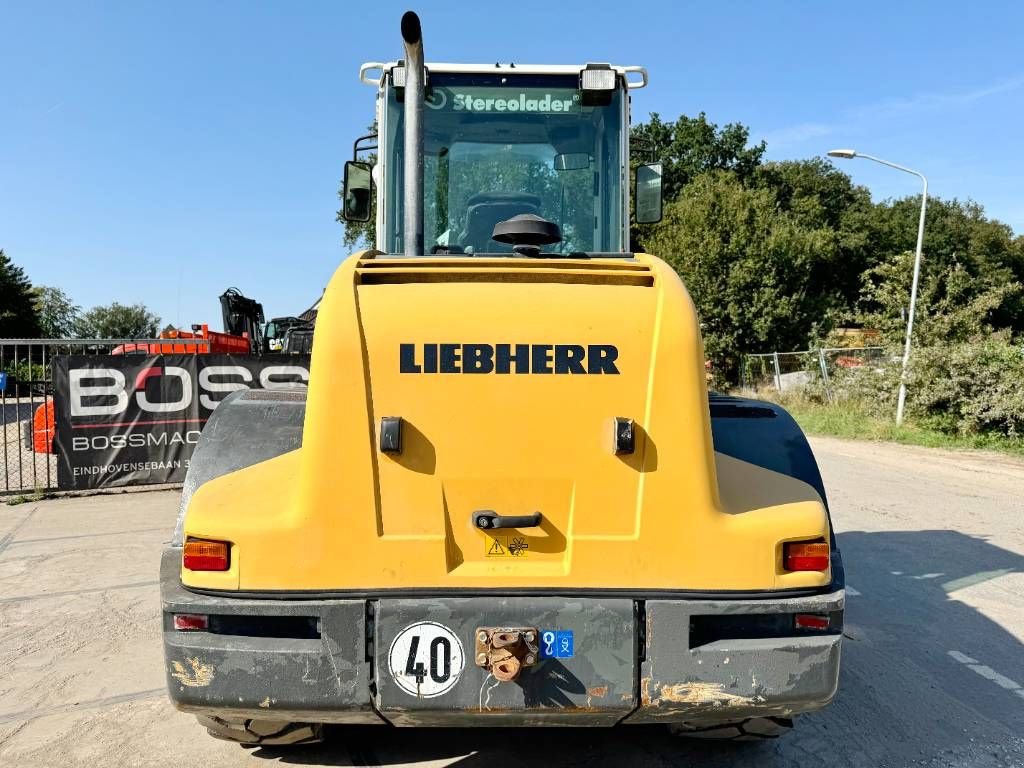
[(496, 549), (506, 546)]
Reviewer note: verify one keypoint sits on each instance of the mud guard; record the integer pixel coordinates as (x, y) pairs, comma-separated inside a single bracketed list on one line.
[(249, 426), (764, 434)]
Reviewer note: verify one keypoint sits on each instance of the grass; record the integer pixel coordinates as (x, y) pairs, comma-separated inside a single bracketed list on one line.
[(27, 498), (849, 422)]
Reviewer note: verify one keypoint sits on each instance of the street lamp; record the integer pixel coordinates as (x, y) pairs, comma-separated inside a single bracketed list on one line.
[(849, 154)]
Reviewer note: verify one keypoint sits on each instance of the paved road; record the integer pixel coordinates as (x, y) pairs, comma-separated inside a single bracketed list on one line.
[(933, 668)]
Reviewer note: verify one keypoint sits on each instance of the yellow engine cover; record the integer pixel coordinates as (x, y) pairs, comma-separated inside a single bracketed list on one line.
[(508, 375)]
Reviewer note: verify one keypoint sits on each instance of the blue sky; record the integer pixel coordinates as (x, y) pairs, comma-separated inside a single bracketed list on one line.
[(161, 152)]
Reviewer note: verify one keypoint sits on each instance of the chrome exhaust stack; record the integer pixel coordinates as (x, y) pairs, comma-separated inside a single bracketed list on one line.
[(415, 90)]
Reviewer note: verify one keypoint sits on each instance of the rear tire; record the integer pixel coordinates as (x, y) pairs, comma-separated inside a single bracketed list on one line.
[(262, 733), (753, 729)]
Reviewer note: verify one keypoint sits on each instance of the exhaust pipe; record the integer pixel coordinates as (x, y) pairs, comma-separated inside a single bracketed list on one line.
[(415, 90)]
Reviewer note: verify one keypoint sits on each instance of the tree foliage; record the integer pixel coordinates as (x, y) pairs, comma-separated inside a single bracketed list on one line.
[(58, 315), (958, 235), (17, 311), (118, 321), (746, 264), (687, 148), (691, 146), (954, 306)]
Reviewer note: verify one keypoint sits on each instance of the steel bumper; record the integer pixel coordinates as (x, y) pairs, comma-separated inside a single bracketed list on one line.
[(710, 661), (698, 662), (267, 668)]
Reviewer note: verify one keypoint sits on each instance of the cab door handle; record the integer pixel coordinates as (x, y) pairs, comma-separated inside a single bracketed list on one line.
[(485, 519)]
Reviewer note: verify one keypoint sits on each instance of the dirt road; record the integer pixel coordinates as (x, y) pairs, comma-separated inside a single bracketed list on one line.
[(933, 667)]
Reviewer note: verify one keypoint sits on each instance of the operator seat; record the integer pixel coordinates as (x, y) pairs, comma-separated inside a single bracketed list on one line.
[(486, 209)]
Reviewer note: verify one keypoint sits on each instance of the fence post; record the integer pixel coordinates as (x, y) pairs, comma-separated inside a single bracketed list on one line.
[(824, 374), (778, 376)]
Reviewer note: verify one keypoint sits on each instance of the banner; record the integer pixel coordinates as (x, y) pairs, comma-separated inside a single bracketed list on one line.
[(135, 420)]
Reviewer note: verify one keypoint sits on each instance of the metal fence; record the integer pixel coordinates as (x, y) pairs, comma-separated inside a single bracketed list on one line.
[(26, 401), (791, 371)]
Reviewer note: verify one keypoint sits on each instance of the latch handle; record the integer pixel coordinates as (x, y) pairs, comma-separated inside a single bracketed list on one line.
[(485, 519)]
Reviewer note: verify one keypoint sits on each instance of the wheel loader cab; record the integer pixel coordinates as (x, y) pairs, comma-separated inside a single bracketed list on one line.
[(500, 501), (497, 144)]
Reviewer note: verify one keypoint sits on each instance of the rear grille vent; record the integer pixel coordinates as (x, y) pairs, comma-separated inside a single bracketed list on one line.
[(387, 271)]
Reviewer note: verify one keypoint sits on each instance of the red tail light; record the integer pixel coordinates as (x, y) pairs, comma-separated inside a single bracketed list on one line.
[(810, 621), (191, 622), (205, 555), (805, 556)]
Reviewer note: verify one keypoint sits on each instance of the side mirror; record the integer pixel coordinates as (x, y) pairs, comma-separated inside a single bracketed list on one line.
[(358, 191), (573, 161), (648, 193)]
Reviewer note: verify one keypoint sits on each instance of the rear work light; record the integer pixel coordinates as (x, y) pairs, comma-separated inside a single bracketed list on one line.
[(205, 555), (191, 622), (805, 556)]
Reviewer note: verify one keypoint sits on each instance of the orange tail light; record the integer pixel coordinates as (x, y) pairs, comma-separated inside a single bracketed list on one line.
[(206, 555), (805, 556)]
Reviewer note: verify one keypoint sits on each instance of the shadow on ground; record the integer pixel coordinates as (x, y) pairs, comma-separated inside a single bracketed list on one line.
[(903, 699)]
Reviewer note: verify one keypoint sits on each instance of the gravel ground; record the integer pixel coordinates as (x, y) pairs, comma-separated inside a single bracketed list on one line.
[(933, 667)]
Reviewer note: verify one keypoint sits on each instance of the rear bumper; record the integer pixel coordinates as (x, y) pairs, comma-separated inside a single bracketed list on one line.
[(689, 676), (269, 673), (636, 661)]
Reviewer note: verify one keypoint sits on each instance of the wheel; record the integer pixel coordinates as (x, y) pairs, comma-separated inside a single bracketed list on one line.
[(753, 729), (262, 732)]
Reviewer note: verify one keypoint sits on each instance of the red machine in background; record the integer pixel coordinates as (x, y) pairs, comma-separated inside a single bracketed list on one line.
[(201, 341)]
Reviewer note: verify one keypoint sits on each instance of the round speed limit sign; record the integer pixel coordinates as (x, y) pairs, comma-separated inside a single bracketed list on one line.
[(426, 659)]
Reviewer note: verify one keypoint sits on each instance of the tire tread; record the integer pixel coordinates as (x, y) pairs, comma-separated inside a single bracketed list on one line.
[(262, 732), (752, 729)]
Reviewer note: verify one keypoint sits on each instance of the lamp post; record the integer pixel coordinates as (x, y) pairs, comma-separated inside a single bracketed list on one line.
[(849, 154)]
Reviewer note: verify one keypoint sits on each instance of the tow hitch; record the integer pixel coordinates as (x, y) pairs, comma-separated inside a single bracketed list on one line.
[(504, 651)]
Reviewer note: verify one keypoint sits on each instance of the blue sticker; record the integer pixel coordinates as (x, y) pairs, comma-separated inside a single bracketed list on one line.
[(556, 644)]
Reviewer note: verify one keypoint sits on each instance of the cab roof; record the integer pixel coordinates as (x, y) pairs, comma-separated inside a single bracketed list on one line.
[(372, 72)]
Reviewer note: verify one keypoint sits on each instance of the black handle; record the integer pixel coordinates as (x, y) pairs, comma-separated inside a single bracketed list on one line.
[(486, 519)]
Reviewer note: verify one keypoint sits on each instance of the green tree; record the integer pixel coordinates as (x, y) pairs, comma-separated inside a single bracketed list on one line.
[(820, 196), (747, 266), (118, 321), (687, 148), (17, 310), (969, 262), (58, 314), (953, 305), (692, 145)]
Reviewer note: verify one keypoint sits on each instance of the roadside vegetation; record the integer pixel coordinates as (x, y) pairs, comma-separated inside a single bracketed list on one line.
[(852, 421), (965, 382)]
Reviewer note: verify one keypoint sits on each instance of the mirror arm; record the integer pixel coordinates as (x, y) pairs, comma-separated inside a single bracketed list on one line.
[(356, 149)]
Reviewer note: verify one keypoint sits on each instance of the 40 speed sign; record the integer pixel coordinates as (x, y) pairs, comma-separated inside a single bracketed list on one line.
[(426, 659)]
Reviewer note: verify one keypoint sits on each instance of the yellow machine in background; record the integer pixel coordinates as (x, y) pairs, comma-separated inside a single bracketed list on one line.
[(507, 470)]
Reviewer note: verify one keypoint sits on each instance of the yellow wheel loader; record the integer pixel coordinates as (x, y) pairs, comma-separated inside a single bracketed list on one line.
[(506, 497)]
